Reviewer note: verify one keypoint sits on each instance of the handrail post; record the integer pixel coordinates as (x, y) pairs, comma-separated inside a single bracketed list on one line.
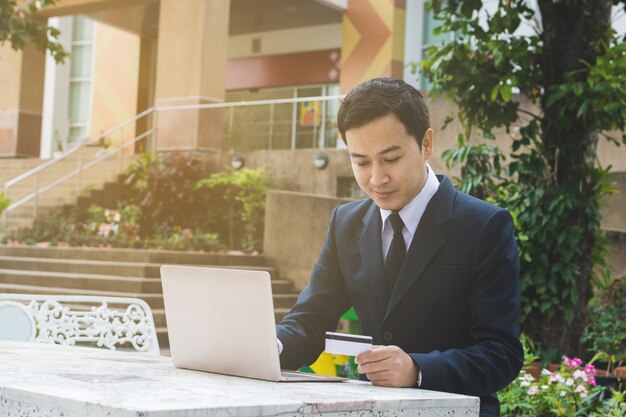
[(80, 175), (153, 137), (271, 127), (323, 127), (120, 151), (5, 215), (294, 115), (36, 207), (231, 119)]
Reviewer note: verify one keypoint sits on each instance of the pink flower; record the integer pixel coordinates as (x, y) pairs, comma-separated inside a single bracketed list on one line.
[(592, 381), (581, 390), (104, 229), (590, 369), (573, 362), (533, 390)]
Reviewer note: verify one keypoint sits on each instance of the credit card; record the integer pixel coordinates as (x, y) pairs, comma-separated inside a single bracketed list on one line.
[(347, 344)]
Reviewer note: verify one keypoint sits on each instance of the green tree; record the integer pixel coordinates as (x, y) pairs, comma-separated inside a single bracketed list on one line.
[(20, 26), (573, 70)]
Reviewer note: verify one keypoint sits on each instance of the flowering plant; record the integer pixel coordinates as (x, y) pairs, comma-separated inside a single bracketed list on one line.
[(569, 391)]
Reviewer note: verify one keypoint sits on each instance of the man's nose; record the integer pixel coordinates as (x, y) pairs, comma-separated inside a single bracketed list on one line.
[(379, 176)]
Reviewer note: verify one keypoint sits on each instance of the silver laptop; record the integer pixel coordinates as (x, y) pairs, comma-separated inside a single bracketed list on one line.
[(222, 321)]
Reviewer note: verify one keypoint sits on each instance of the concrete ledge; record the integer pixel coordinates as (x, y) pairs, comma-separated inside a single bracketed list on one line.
[(295, 227), (132, 255)]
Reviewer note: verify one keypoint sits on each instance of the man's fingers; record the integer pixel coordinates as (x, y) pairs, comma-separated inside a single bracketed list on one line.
[(377, 353)]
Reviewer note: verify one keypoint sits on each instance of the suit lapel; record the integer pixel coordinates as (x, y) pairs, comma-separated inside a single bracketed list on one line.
[(426, 242), (370, 248)]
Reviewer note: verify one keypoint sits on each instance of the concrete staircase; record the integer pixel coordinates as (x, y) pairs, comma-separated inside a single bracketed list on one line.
[(118, 272), (64, 193)]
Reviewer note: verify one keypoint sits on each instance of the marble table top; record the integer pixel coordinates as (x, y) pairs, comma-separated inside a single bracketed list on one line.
[(50, 380)]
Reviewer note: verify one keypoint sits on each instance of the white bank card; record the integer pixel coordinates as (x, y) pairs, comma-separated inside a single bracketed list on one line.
[(347, 344)]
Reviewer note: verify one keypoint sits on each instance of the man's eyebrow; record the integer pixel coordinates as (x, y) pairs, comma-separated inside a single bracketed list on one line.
[(383, 152), (390, 149)]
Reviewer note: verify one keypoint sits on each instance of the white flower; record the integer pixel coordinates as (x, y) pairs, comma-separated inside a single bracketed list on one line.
[(544, 387), (524, 384), (569, 382), (533, 390), (562, 394), (580, 374), (544, 371)]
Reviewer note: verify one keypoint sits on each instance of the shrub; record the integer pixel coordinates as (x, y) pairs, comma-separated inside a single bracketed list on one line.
[(4, 202), (242, 191), (183, 239), (164, 188), (606, 331)]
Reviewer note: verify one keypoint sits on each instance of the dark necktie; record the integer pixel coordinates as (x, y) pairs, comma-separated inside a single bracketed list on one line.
[(397, 251)]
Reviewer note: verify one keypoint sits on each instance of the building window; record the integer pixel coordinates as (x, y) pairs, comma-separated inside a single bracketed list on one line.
[(429, 39), (81, 76), (285, 125)]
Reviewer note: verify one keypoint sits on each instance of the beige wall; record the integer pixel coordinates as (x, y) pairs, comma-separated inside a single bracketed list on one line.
[(294, 170), (115, 80), (191, 69), (614, 213), (295, 226), (191, 59), (21, 100)]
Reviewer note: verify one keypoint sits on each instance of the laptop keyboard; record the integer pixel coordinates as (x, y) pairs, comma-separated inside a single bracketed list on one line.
[(292, 374)]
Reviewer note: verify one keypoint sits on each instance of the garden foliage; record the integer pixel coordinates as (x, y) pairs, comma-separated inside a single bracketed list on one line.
[(167, 201), (606, 330), (555, 93), (19, 27), (570, 390)]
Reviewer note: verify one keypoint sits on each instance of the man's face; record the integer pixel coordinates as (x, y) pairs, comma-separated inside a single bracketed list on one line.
[(387, 162)]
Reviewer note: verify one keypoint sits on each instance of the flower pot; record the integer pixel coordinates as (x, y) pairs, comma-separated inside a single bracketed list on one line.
[(615, 382)]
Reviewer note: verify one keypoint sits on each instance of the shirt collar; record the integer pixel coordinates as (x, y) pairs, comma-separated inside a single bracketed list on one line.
[(411, 214)]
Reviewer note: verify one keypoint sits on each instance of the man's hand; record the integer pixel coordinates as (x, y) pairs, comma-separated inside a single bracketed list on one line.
[(388, 366)]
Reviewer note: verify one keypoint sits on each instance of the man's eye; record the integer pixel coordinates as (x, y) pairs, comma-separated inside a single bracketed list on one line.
[(392, 160), (362, 163)]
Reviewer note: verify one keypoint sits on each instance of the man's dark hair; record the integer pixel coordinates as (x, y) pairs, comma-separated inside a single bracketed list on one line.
[(377, 98)]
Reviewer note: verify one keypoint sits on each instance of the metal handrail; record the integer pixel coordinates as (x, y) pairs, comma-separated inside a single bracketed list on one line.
[(248, 103), (34, 172), (89, 141), (74, 172)]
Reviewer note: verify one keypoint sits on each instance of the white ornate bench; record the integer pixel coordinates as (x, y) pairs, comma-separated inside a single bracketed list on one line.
[(75, 319)]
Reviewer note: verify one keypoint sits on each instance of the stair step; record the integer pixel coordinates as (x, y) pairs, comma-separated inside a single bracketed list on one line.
[(154, 300), (84, 266), (157, 256), (88, 282)]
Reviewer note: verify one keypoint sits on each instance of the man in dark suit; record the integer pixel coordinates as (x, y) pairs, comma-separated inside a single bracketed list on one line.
[(433, 274)]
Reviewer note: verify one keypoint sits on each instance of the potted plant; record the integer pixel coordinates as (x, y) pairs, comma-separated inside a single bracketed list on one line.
[(605, 334)]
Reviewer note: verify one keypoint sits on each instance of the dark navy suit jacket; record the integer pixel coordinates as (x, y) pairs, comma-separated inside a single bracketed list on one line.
[(455, 307)]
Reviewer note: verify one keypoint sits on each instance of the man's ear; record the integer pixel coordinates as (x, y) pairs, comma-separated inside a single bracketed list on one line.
[(427, 144)]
